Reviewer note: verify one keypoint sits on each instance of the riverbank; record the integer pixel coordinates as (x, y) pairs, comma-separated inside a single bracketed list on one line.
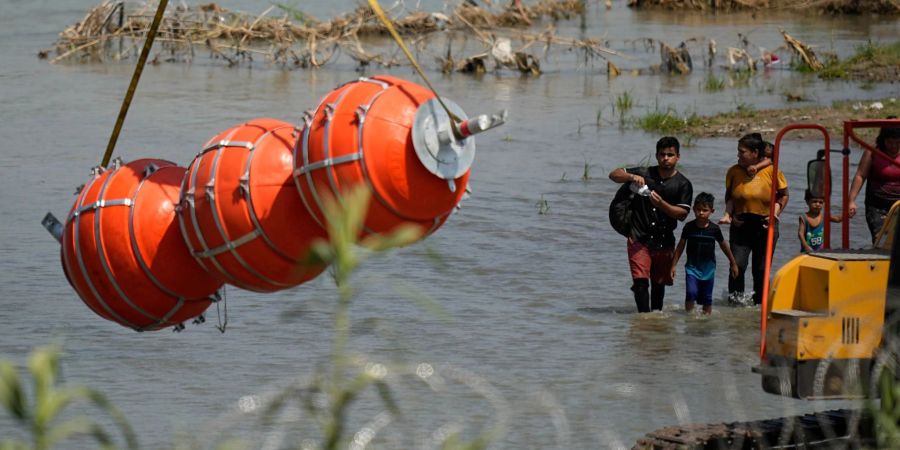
[(807, 6), (768, 121)]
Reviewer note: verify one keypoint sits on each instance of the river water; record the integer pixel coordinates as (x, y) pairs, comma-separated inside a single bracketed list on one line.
[(535, 313)]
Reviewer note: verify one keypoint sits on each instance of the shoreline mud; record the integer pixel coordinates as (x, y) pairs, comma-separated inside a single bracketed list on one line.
[(769, 121)]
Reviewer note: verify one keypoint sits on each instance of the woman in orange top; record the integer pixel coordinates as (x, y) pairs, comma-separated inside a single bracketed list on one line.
[(747, 210)]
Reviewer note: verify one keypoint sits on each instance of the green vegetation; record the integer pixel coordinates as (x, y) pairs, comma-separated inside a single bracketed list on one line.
[(713, 84), (745, 118), (586, 171), (41, 417), (871, 62), (668, 121), (543, 206), (327, 400), (886, 414), (624, 102)]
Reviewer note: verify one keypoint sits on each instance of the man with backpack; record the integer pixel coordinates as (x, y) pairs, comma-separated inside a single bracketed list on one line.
[(662, 196)]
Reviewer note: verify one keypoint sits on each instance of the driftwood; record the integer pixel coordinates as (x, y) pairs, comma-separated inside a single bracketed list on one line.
[(676, 60), (803, 51), (740, 59)]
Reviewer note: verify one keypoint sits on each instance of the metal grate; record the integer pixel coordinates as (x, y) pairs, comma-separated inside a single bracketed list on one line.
[(850, 330)]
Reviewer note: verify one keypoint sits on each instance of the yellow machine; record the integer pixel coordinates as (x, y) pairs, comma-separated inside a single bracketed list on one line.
[(823, 324)]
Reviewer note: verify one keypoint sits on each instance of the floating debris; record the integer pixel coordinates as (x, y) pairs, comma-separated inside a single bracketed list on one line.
[(288, 37)]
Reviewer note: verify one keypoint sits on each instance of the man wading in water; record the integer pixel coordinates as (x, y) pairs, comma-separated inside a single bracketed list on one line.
[(664, 198)]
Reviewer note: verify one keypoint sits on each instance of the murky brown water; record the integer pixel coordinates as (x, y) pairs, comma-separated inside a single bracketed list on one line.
[(537, 305)]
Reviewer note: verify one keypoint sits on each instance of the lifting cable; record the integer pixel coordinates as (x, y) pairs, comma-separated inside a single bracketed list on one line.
[(454, 120), (151, 35)]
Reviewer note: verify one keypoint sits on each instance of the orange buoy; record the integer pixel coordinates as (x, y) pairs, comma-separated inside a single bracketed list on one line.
[(362, 133), (240, 215), (123, 253)]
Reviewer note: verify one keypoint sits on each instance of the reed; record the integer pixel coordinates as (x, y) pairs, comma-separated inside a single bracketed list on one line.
[(624, 102), (543, 206), (713, 84)]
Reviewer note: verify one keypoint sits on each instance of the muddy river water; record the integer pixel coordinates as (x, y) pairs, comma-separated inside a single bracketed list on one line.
[(535, 306)]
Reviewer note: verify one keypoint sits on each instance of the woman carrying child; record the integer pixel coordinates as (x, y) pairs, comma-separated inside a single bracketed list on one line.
[(747, 210)]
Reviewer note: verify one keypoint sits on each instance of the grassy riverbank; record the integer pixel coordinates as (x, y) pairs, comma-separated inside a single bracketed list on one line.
[(768, 121), (871, 62), (813, 6)]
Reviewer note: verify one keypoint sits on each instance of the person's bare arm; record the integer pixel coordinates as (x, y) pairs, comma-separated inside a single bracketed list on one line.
[(673, 211), (801, 234), (678, 250), (729, 209), (762, 164), (781, 199), (862, 172), (621, 176), (732, 263)]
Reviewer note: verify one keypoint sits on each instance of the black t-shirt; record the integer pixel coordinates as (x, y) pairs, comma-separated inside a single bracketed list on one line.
[(649, 225)]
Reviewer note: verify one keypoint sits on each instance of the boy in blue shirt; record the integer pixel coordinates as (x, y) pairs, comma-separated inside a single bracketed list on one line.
[(700, 237)]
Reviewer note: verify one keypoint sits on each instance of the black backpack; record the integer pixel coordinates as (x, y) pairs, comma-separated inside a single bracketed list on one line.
[(620, 210)]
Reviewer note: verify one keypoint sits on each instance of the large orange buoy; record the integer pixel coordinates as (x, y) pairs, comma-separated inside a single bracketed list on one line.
[(123, 253), (362, 133), (241, 215)]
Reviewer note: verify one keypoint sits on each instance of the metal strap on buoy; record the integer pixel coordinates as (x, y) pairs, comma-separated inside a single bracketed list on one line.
[(205, 252), (228, 235), (94, 270), (107, 310), (188, 196)]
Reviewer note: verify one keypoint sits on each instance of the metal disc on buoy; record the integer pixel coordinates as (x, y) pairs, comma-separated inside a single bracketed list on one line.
[(442, 153)]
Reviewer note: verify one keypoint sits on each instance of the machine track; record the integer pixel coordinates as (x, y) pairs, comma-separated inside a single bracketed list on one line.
[(843, 428)]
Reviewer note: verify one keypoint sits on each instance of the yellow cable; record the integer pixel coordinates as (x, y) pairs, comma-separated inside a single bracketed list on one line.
[(387, 23), (126, 103)]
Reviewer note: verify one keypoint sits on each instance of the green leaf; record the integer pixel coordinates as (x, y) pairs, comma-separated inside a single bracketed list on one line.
[(44, 366), (49, 405), (76, 426), (11, 395)]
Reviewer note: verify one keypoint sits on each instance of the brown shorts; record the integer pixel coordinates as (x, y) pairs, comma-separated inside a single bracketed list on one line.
[(653, 264)]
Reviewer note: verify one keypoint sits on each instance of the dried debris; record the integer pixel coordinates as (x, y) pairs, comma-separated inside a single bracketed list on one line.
[(112, 30), (676, 60), (803, 51)]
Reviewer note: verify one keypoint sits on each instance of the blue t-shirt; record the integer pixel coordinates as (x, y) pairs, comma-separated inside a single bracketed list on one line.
[(701, 249)]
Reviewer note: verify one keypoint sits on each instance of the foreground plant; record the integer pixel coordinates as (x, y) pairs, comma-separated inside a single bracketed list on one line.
[(333, 391), (41, 417)]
